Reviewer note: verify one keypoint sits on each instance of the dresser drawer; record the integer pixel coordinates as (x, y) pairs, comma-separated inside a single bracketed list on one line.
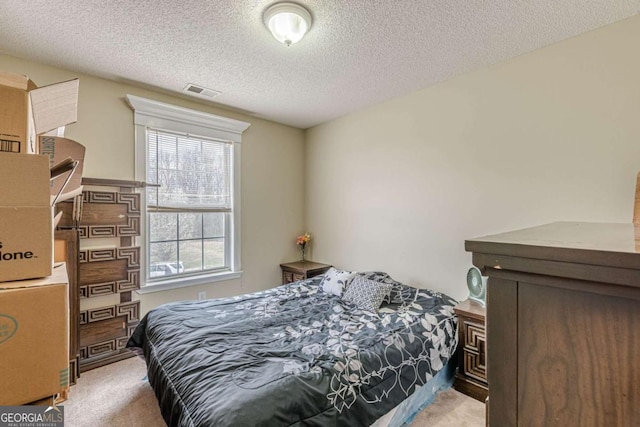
[(474, 365), (474, 336), (287, 277), (474, 351)]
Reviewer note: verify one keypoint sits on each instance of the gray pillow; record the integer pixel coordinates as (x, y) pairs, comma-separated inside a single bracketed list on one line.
[(335, 281), (366, 294)]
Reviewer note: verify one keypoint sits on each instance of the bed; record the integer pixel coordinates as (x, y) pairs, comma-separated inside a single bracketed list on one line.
[(296, 355)]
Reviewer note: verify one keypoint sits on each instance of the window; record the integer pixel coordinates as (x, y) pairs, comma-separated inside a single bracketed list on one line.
[(191, 163)]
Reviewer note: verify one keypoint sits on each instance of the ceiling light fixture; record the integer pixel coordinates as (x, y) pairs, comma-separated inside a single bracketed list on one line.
[(288, 22)]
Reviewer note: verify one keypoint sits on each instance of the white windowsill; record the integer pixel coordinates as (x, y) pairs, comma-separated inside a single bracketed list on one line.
[(183, 282)]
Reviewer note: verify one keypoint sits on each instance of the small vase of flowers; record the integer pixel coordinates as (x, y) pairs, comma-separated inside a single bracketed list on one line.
[(302, 241)]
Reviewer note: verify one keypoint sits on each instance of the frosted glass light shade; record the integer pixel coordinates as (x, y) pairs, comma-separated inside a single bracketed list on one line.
[(288, 22)]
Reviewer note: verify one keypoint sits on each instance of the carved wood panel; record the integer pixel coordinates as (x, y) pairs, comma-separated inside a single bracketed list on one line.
[(109, 271), (104, 332), (474, 336), (474, 365), (105, 214)]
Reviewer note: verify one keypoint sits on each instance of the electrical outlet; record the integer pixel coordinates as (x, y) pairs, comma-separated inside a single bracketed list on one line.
[(202, 295)]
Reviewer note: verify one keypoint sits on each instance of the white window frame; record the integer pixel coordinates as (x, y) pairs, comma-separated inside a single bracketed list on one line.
[(160, 116)]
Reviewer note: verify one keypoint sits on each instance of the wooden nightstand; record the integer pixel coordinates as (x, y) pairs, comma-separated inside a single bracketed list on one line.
[(300, 270), (471, 378)]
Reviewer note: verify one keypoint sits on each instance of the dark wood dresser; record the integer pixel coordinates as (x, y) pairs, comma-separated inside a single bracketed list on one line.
[(563, 324), (107, 218), (471, 378), (300, 270)]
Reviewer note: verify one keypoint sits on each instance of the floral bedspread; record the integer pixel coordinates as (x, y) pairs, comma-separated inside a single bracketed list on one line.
[(293, 355)]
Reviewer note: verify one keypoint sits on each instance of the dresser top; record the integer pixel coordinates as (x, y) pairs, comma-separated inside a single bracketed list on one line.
[(471, 308), (304, 266), (608, 244)]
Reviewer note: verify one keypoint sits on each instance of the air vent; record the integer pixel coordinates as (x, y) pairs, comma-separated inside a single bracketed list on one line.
[(200, 91)]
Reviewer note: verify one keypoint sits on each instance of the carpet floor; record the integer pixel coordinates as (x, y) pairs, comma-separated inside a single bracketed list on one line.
[(118, 395)]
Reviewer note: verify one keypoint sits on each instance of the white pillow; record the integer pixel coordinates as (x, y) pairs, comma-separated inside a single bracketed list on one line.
[(335, 281), (367, 294)]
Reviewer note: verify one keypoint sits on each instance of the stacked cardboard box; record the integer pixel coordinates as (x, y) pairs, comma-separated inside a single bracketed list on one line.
[(34, 338), (26, 233), (34, 324), (28, 114), (27, 111)]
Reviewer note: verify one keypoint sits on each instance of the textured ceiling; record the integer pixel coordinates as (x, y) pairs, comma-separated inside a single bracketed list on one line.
[(358, 52)]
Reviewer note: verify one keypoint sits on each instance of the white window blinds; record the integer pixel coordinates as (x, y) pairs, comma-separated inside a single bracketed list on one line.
[(191, 173)]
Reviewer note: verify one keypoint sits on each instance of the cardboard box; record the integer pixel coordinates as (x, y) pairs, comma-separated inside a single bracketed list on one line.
[(27, 111), (34, 338), (26, 232), (59, 149)]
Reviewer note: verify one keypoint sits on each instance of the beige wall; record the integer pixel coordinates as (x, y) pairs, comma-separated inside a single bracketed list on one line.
[(272, 173), (552, 135)]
